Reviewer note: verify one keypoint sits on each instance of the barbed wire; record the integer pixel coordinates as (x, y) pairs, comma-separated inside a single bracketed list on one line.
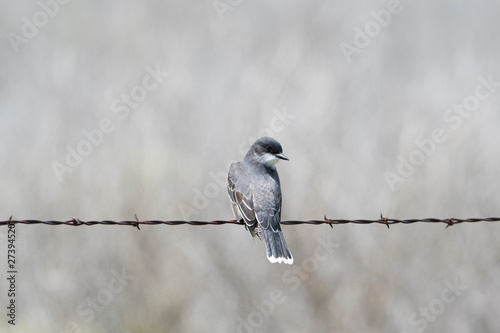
[(136, 223)]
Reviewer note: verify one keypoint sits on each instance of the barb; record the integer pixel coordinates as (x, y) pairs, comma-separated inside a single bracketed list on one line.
[(136, 223)]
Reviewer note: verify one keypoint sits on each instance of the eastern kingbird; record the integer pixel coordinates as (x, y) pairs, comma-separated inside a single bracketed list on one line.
[(255, 193)]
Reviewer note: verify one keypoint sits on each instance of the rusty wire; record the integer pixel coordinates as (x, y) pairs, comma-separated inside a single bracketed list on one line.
[(136, 223)]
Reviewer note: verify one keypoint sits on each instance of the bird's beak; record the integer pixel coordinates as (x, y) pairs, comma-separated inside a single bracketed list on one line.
[(282, 156)]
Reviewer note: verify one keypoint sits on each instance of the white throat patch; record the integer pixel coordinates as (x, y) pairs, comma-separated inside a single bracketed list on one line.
[(268, 159)]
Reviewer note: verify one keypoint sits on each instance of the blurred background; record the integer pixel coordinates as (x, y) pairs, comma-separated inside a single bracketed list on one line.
[(115, 108)]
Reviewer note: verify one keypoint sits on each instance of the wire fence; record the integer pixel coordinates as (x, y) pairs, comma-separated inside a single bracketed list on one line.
[(137, 223)]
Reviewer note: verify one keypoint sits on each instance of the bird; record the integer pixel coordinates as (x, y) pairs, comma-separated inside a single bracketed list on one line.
[(255, 193)]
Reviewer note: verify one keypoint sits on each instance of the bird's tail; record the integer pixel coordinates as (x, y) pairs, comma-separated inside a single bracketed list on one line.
[(277, 251)]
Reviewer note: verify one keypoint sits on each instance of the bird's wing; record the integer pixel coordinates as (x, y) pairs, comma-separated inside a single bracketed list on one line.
[(267, 206), (241, 195)]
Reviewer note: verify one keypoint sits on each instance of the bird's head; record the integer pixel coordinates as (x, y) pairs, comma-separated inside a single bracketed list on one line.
[(266, 151)]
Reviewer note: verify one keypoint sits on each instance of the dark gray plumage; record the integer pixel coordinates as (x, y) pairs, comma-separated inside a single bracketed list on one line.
[(255, 193)]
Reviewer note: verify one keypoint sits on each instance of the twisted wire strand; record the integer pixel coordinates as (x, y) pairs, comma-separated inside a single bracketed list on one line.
[(382, 220)]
